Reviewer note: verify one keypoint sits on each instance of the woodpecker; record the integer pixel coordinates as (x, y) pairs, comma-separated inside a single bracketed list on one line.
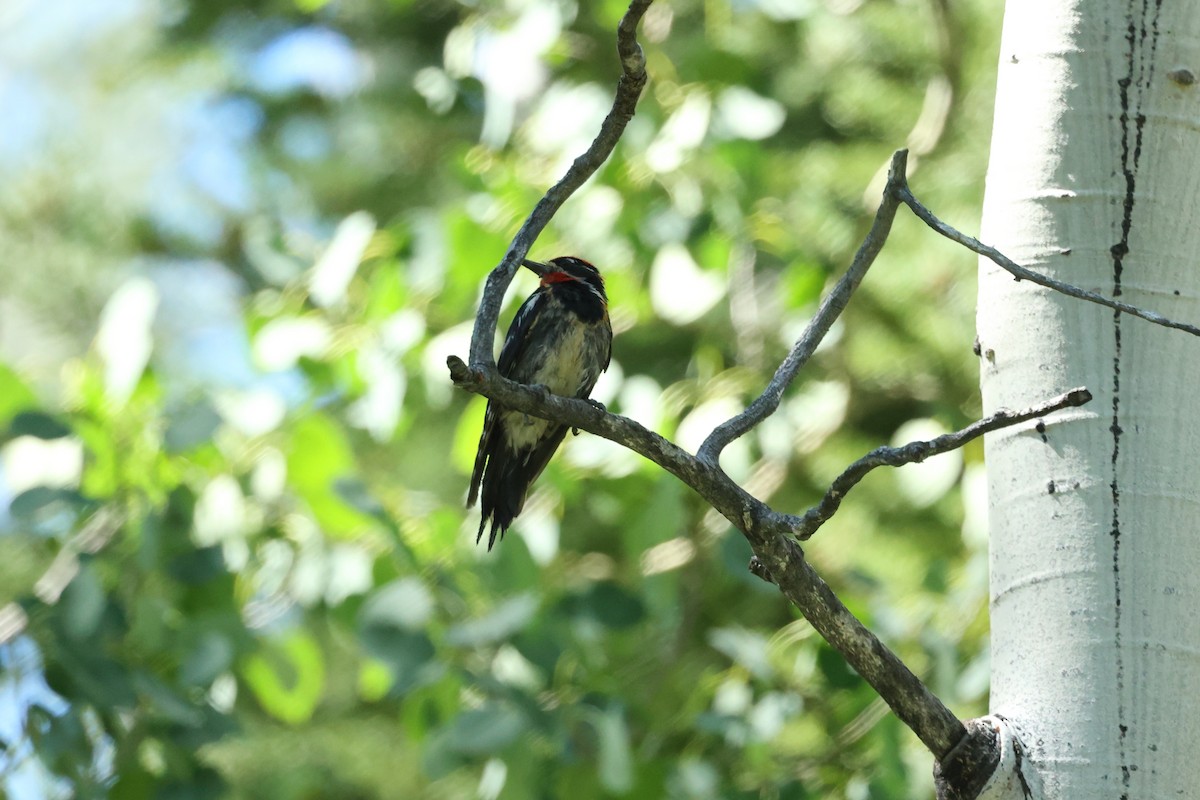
[(560, 339)]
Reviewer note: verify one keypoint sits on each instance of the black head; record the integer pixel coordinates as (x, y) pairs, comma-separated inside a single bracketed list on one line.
[(569, 268)]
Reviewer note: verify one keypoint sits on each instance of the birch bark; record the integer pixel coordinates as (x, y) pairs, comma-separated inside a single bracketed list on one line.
[(1095, 515)]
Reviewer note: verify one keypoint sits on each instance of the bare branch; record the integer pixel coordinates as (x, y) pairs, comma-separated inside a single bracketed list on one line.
[(782, 562), (767, 531), (629, 89), (916, 452), (831, 308), (779, 557), (905, 195)]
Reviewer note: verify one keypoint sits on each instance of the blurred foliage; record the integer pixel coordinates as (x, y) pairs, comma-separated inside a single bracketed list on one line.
[(241, 239)]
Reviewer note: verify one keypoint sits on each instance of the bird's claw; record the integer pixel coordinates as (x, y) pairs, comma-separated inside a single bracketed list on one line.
[(594, 404)]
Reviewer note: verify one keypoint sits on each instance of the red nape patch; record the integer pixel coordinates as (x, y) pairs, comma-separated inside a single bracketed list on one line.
[(556, 277)]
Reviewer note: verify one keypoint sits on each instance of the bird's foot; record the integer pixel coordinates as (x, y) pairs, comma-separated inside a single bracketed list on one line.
[(593, 404)]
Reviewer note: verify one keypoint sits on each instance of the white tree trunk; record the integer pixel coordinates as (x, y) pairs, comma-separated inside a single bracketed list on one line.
[(1095, 516)]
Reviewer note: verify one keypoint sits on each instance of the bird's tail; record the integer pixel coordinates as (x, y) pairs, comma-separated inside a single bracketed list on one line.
[(505, 485)]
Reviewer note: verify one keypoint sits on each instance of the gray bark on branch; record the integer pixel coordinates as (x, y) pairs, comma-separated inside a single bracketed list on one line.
[(830, 309), (916, 452), (1021, 273)]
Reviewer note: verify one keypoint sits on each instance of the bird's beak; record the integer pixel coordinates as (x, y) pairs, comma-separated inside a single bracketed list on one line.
[(537, 267)]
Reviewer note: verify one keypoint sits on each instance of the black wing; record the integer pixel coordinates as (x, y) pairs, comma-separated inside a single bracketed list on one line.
[(519, 332), (514, 346)]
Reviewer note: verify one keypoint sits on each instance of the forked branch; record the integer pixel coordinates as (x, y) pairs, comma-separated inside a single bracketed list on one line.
[(895, 193), (830, 309)]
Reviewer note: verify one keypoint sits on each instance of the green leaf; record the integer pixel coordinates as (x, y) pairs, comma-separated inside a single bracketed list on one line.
[(14, 395), (288, 678), (41, 502), (735, 554), (199, 566), (466, 435), (211, 655), (374, 680), (320, 457), (656, 518), (485, 730), (748, 648), (165, 702), (191, 426), (84, 674), (802, 284), (504, 620), (403, 603), (39, 425), (407, 655), (608, 603), (205, 784), (835, 669), (615, 761), (310, 6), (83, 603)]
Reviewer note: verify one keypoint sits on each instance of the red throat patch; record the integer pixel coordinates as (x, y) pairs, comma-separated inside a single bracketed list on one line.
[(556, 277)]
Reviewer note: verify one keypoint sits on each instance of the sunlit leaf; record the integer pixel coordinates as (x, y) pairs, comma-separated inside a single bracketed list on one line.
[(374, 679), (615, 762), (680, 290), (318, 458), (746, 647), (124, 341), (925, 483), (403, 603), (14, 395), (334, 270), (466, 435), (288, 677)]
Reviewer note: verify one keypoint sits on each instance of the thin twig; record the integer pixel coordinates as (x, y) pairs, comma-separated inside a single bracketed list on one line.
[(828, 312), (905, 195), (916, 452), (629, 89)]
